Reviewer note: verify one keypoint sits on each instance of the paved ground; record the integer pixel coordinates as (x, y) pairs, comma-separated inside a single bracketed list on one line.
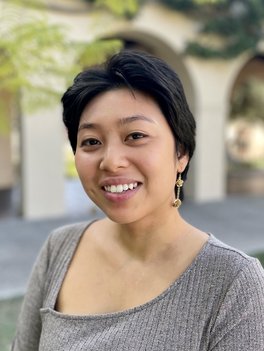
[(238, 221)]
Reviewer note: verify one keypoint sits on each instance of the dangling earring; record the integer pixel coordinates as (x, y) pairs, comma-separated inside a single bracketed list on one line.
[(179, 183)]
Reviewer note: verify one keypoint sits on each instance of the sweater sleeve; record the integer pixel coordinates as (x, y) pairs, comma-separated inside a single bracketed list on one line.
[(239, 325), (29, 321)]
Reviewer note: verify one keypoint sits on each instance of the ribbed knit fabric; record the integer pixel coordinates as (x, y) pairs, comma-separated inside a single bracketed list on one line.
[(216, 304)]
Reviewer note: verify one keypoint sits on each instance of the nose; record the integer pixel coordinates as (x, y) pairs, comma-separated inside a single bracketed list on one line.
[(113, 159)]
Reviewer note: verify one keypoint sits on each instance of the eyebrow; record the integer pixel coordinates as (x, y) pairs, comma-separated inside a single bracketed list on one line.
[(121, 121), (87, 126), (130, 119)]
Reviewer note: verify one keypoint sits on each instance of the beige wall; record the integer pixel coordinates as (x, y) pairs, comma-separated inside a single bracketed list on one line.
[(207, 84), (43, 164)]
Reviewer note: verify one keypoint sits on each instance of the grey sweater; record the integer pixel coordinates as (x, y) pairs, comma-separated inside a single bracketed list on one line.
[(216, 304)]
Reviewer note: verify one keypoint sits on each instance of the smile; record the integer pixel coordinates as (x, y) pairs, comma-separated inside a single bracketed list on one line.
[(120, 188)]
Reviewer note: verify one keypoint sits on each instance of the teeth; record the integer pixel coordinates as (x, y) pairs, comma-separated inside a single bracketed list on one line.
[(120, 187), (113, 189)]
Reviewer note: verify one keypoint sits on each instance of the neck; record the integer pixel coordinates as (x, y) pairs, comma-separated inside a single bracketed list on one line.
[(146, 239)]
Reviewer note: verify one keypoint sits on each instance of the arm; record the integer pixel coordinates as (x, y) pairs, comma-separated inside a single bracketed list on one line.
[(239, 325), (29, 322)]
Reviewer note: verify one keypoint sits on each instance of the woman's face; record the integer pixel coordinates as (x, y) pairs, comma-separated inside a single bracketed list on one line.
[(126, 157)]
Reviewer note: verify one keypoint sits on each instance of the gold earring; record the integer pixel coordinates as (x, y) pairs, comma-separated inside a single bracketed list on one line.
[(179, 183)]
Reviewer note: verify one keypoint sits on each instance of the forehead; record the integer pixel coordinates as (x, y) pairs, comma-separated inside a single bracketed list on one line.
[(120, 103)]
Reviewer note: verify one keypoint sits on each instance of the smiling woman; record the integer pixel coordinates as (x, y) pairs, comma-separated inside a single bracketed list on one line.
[(142, 278), (118, 148)]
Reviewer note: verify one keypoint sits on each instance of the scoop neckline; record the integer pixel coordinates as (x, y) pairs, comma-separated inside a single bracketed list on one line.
[(51, 306)]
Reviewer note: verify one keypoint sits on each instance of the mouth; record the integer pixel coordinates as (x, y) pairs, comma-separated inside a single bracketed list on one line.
[(120, 188)]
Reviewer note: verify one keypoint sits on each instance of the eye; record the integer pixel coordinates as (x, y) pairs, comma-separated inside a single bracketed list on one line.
[(90, 142), (135, 136)]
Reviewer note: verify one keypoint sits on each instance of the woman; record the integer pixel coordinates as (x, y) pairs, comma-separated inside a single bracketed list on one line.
[(142, 278)]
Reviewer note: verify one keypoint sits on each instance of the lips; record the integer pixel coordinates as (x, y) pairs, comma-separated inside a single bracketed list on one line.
[(117, 186)]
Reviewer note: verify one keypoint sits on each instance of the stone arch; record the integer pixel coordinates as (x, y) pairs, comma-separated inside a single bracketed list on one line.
[(249, 181), (156, 46), (249, 66)]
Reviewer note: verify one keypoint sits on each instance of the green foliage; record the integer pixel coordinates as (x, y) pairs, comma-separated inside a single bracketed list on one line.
[(128, 8), (260, 257), (180, 5), (37, 59), (238, 23), (30, 56), (97, 51), (247, 100), (4, 120), (9, 310), (183, 5)]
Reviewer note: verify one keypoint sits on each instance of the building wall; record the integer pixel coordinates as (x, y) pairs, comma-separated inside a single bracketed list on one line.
[(43, 164), (207, 84)]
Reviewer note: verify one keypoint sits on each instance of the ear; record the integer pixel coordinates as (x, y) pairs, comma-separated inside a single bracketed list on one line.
[(182, 162)]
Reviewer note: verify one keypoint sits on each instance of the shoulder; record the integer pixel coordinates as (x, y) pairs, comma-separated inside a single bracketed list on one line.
[(237, 317), (67, 232), (64, 240), (230, 258), (229, 265)]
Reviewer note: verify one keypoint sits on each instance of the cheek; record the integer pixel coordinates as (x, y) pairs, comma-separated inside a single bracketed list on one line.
[(161, 166), (163, 157), (83, 166), (78, 163), (85, 170)]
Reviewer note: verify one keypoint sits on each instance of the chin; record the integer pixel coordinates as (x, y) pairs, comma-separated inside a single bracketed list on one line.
[(121, 218)]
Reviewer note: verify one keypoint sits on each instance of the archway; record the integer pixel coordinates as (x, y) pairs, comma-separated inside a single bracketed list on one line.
[(245, 131), (158, 47)]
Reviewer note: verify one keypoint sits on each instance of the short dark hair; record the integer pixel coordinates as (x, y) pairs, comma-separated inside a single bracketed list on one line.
[(137, 71)]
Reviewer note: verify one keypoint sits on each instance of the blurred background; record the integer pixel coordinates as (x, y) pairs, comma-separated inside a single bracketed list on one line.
[(217, 49)]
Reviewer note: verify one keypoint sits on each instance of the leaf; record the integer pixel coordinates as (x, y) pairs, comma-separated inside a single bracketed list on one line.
[(98, 51), (128, 8), (38, 60)]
